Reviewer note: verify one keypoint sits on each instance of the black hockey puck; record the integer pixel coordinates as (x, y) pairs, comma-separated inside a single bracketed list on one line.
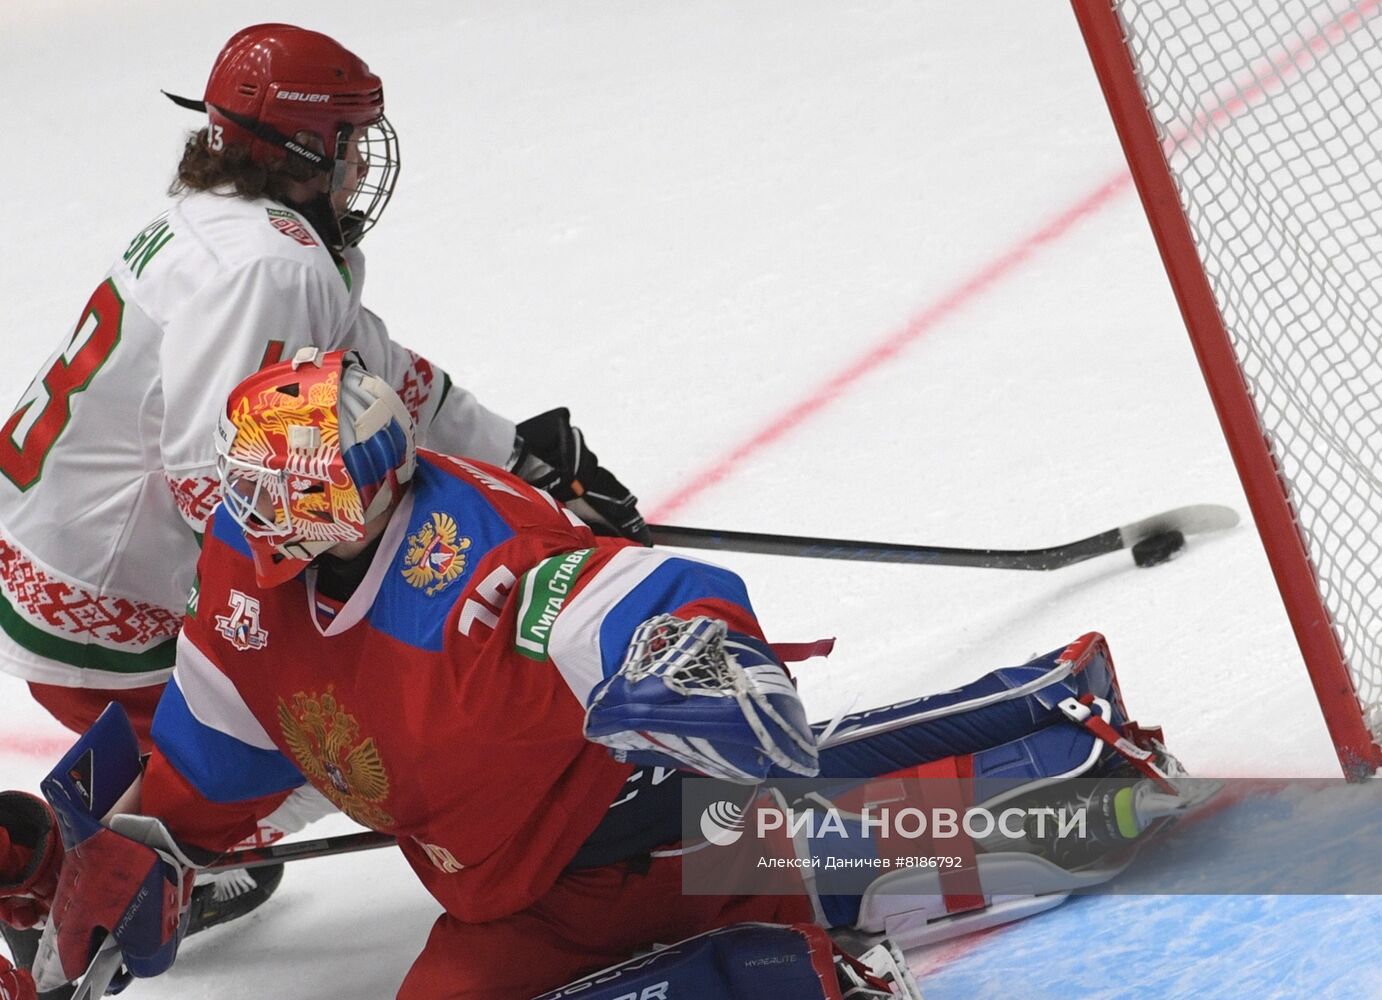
[(1159, 548)]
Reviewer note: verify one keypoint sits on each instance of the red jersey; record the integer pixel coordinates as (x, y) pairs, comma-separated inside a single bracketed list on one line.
[(443, 703)]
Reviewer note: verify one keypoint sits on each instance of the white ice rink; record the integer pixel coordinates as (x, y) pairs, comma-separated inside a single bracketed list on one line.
[(861, 268)]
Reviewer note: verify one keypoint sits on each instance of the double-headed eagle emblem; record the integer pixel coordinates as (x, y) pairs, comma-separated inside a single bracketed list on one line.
[(325, 741), (434, 557)]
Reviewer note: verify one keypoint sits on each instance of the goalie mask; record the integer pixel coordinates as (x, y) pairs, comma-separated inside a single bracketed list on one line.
[(287, 93), (310, 450)]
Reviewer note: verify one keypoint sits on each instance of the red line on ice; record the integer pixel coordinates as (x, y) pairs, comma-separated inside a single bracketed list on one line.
[(48, 748), (1275, 71), (1289, 62), (977, 284)]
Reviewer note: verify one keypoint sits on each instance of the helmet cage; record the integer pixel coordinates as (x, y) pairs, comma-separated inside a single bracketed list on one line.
[(311, 499), (377, 145), (377, 150), (268, 504), (308, 451)]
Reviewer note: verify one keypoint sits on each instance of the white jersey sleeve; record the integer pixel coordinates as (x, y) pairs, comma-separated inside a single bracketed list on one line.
[(449, 418)]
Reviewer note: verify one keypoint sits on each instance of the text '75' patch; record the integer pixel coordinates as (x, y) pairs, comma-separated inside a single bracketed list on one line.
[(240, 624), (542, 593)]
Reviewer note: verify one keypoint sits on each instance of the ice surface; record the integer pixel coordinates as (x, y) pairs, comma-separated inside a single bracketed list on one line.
[(685, 220)]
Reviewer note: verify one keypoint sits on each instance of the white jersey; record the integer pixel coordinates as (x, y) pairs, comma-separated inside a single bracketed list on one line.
[(108, 461)]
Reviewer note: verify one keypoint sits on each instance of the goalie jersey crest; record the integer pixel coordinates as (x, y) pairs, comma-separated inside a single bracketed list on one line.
[(435, 555), (325, 741)]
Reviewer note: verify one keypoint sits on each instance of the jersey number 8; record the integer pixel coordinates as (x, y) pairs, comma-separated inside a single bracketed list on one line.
[(69, 372)]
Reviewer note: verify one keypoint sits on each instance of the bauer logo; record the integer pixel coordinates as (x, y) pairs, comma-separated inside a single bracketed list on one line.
[(297, 95), (722, 823)]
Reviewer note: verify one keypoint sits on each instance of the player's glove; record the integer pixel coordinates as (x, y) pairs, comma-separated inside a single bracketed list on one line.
[(693, 695), (552, 455), (16, 984), (30, 856)]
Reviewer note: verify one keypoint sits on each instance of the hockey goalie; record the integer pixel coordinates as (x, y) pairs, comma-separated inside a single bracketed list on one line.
[(447, 655)]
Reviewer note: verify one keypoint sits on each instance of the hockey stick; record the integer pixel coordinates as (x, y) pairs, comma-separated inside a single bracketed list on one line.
[(105, 965), (306, 850), (301, 850), (100, 972), (1196, 519), (1192, 520)]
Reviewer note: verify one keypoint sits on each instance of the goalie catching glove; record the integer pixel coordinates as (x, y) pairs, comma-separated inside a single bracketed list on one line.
[(552, 455), (693, 695)]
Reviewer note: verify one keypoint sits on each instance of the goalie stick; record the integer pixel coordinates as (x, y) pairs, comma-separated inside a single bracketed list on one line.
[(1192, 520), (300, 850), (99, 974), (106, 963), (349, 843)]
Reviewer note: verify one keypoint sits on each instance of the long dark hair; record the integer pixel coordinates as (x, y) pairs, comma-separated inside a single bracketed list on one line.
[(201, 169)]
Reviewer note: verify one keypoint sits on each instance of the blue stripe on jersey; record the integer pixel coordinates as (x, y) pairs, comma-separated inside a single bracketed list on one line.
[(220, 767), (225, 530), (405, 610), (674, 584)]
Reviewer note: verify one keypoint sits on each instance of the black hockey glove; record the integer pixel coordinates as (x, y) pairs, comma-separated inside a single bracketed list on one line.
[(552, 455)]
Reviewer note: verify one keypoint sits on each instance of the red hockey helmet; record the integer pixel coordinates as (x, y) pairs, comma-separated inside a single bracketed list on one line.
[(285, 91), (309, 451)]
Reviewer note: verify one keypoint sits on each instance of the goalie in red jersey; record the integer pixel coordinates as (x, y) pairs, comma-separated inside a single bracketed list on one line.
[(451, 657)]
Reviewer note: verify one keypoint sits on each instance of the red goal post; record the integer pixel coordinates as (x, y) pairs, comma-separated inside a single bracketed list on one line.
[(1239, 123)]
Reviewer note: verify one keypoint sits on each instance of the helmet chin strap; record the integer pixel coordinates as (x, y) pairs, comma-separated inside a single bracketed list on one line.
[(318, 209), (388, 490)]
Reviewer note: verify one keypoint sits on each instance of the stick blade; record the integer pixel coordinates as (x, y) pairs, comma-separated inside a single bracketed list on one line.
[(1197, 519), (101, 972)]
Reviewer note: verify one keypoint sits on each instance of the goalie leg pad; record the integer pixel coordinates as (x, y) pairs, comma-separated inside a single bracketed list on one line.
[(1010, 733), (847, 897), (998, 708), (750, 962)]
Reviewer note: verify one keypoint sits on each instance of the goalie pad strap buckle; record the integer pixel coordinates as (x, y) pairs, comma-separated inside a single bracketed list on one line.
[(1078, 711)]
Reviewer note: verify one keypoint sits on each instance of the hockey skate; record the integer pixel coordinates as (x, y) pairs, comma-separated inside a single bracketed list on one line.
[(222, 896)]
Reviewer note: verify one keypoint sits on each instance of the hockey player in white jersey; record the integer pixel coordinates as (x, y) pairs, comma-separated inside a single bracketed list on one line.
[(108, 460)]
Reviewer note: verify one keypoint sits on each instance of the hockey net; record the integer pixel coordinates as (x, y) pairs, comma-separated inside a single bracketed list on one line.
[(1254, 132)]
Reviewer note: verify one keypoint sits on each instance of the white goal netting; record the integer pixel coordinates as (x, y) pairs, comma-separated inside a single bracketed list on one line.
[(1270, 114)]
